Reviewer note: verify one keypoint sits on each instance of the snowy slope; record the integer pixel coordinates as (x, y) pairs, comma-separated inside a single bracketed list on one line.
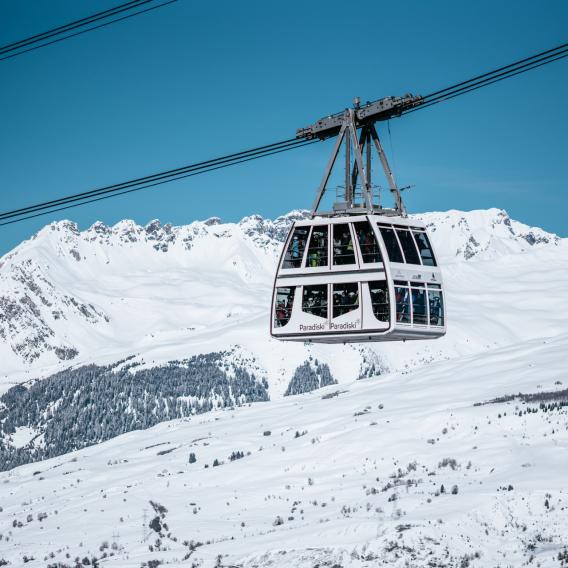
[(348, 476), (163, 292)]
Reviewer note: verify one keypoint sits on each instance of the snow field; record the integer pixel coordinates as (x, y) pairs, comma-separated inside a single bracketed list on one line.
[(326, 493)]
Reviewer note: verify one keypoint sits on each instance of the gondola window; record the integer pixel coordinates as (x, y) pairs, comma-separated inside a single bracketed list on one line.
[(314, 300), (436, 303), (345, 298), (283, 306), (425, 249), (343, 252), (402, 296), (419, 311), (408, 246), (380, 300), (296, 246), (370, 251), (317, 251), (391, 244)]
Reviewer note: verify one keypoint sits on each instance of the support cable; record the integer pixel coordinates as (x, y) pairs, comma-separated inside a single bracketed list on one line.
[(16, 48), (492, 77), (203, 170), (168, 175), (548, 52), (500, 74)]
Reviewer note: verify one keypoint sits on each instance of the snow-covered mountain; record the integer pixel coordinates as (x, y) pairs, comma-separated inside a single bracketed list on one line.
[(164, 292), (454, 456)]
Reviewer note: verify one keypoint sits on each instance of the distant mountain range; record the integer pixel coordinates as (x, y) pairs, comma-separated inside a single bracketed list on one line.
[(163, 292), (167, 427)]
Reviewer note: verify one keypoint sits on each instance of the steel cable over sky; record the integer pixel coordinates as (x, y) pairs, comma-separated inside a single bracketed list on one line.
[(54, 205), (149, 181), (61, 33), (499, 74), (148, 185)]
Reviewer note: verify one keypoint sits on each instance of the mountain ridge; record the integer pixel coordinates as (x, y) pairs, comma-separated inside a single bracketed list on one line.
[(66, 295)]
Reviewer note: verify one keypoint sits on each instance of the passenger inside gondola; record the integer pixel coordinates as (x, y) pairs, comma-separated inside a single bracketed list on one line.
[(315, 300), (402, 304), (419, 306), (284, 304), (345, 299), (380, 300), (367, 242), (436, 307), (343, 252), (424, 248), (295, 251), (280, 314), (317, 251)]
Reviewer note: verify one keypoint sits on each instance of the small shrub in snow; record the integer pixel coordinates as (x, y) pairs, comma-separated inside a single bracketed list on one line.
[(448, 462), (155, 524)]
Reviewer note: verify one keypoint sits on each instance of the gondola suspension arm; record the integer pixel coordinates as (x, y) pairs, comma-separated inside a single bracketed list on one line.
[(345, 125)]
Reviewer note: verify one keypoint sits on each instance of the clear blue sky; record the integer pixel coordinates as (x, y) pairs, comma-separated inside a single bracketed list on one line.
[(195, 80)]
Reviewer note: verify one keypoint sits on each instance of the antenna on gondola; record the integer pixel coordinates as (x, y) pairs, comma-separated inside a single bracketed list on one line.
[(345, 126)]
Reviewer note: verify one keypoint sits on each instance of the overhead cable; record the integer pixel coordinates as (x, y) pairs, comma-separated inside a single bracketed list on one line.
[(495, 76), (149, 181), (500, 74), (84, 25)]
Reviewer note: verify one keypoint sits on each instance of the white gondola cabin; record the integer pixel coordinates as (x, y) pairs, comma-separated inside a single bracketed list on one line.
[(358, 278), (361, 272)]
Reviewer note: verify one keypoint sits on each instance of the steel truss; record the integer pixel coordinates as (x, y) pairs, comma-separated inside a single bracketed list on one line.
[(345, 126)]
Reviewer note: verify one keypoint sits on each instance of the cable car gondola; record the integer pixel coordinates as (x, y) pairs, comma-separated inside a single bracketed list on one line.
[(360, 272)]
